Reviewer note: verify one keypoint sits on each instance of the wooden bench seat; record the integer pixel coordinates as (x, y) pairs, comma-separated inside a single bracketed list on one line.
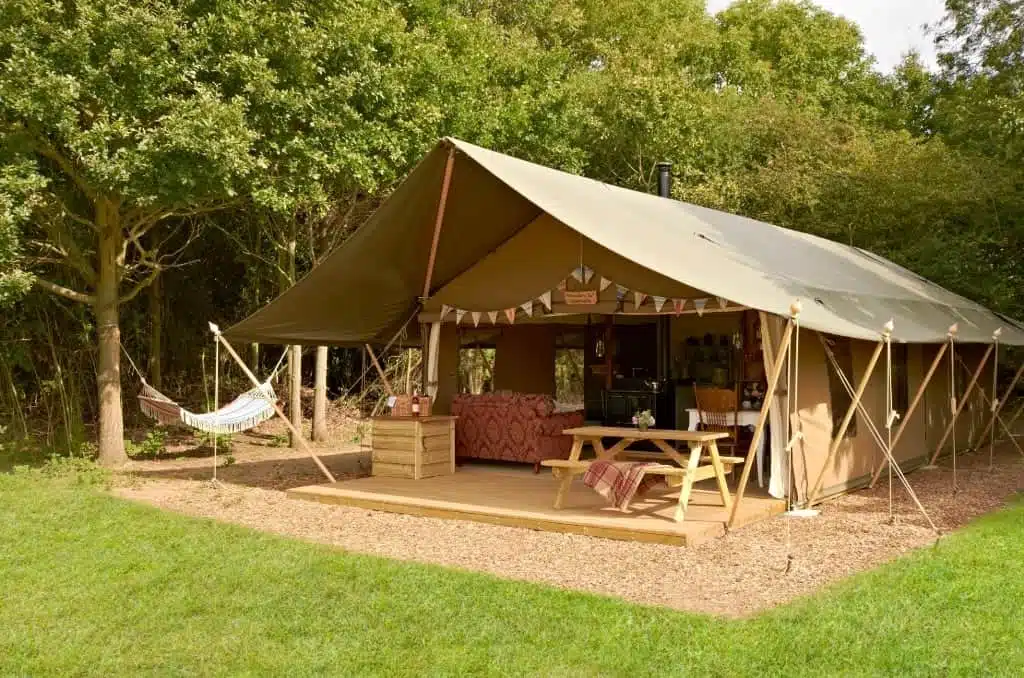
[(674, 475)]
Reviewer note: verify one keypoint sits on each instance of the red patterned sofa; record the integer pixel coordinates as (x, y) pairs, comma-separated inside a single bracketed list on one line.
[(512, 427)]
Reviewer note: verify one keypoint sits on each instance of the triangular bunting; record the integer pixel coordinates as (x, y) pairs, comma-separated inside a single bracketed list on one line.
[(678, 305), (722, 303), (493, 316), (699, 304), (603, 284), (476, 317), (621, 292), (577, 274), (527, 308), (588, 273), (459, 313), (510, 313), (545, 299), (659, 302), (445, 310), (638, 299)]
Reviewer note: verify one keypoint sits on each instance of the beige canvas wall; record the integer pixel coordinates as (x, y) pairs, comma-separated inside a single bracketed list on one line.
[(524, 359), (447, 369), (856, 455), (859, 454)]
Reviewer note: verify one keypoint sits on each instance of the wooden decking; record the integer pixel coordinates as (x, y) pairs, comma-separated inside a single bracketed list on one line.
[(516, 497)]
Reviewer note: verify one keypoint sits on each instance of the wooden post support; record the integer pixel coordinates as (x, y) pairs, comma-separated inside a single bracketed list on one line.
[(257, 384), (1002, 402), (1006, 429), (962, 402), (380, 371), (439, 219), (911, 409), (845, 423), (762, 418)]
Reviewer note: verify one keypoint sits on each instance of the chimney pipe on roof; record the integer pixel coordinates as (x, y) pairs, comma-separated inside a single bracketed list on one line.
[(664, 179)]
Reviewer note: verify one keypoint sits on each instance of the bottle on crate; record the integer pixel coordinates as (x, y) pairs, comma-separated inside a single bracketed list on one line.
[(415, 403)]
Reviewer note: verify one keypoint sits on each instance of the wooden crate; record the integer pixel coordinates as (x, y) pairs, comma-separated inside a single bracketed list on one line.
[(413, 447)]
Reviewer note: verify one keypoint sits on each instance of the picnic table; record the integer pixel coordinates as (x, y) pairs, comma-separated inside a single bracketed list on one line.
[(684, 472)]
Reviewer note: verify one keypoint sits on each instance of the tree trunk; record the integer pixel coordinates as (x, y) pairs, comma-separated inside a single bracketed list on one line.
[(254, 357), (320, 396), (156, 329), (108, 377), (295, 392)]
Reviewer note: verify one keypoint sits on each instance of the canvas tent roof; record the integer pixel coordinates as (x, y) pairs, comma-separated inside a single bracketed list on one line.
[(510, 225)]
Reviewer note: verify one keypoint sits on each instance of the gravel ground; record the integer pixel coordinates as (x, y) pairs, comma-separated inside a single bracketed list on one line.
[(737, 575)]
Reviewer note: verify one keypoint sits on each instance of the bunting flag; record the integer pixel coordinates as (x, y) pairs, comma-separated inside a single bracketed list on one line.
[(527, 309), (620, 292), (603, 284), (678, 305), (659, 302), (510, 313), (458, 315), (577, 274), (699, 304), (476, 317), (545, 299), (638, 299), (493, 316), (588, 273), (722, 303), (445, 310)]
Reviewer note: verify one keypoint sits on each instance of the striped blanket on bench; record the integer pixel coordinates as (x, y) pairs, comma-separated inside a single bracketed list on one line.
[(620, 481)]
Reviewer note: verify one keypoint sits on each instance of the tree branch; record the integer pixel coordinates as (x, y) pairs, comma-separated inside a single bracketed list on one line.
[(66, 166), (141, 285), (65, 292)]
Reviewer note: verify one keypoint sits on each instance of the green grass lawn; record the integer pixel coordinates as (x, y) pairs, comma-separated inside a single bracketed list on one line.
[(93, 585)]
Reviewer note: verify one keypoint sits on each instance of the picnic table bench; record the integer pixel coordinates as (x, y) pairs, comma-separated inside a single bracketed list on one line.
[(684, 473)]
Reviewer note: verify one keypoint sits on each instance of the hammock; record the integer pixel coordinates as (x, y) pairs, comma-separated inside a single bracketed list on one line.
[(250, 409)]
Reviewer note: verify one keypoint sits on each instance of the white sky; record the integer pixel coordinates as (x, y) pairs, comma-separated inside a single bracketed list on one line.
[(890, 27)]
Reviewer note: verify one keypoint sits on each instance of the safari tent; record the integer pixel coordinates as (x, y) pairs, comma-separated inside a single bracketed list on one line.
[(858, 355)]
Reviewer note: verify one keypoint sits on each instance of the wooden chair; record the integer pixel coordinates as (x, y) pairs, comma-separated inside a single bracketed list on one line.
[(718, 412)]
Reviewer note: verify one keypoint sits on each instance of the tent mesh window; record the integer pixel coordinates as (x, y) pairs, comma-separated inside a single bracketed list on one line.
[(842, 348), (900, 378)]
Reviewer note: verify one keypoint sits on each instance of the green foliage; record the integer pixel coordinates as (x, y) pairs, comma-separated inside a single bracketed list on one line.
[(64, 471), (980, 103), (73, 560), (149, 447)]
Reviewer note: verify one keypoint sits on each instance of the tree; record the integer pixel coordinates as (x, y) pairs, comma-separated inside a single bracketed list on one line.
[(136, 119), (980, 105), (797, 52)]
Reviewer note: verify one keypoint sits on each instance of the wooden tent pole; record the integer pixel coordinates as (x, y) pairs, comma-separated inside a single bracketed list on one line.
[(847, 418), (887, 449), (1016, 416), (911, 409), (380, 371), (277, 409), (988, 401), (439, 219), (963, 401), (1002, 401), (762, 417)]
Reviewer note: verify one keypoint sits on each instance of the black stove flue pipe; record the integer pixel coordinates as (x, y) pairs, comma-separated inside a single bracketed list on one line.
[(664, 179)]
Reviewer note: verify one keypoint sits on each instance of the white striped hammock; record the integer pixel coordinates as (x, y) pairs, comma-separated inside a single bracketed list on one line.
[(250, 409)]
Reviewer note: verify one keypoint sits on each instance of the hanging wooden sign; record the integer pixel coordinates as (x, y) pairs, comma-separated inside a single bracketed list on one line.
[(581, 297)]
